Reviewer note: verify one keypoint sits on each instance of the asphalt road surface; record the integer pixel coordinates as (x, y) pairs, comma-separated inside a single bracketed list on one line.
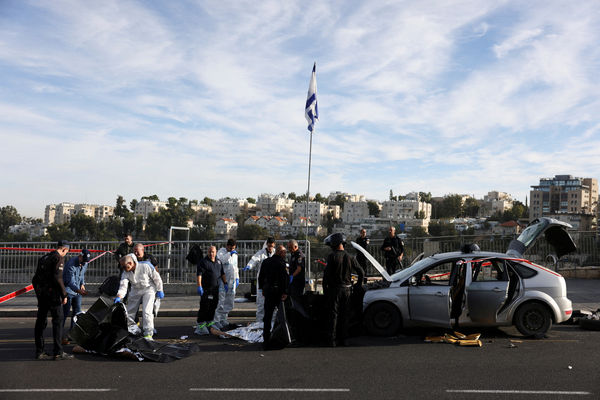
[(564, 365)]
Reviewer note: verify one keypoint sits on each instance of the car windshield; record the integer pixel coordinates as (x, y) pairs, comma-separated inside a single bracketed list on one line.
[(410, 271)]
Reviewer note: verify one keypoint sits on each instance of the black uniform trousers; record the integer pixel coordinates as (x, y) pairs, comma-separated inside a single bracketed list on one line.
[(208, 304), (338, 298), (271, 302), (392, 265), (45, 305)]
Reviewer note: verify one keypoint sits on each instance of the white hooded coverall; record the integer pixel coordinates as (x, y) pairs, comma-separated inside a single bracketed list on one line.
[(145, 282), (230, 267), (255, 261)]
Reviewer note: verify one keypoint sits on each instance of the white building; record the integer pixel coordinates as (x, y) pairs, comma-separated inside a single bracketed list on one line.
[(228, 208), (346, 196), (201, 210), (226, 227), (405, 210), (316, 211), (268, 204), (146, 207), (497, 202), (61, 213), (355, 211), (32, 230)]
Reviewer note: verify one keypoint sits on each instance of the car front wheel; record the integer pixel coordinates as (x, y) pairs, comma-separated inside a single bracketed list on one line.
[(533, 320), (382, 319)]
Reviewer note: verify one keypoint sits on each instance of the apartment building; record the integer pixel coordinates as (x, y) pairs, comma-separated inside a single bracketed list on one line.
[(268, 204), (146, 207), (563, 194), (355, 211)]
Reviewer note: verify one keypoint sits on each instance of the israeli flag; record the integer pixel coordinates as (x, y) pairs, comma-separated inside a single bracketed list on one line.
[(312, 111)]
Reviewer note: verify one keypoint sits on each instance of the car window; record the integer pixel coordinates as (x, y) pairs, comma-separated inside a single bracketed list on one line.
[(489, 270), (523, 271), (439, 274)]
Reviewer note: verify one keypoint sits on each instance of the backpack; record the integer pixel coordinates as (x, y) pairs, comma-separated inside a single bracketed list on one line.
[(43, 280), (195, 255)]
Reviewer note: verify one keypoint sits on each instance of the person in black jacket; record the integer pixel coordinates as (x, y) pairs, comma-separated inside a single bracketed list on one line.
[(393, 250), (363, 240), (51, 296), (142, 255), (273, 281), (124, 248), (337, 287), (208, 271), (297, 270)]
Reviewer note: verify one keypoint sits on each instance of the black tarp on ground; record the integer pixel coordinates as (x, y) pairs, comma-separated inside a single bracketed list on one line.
[(103, 329)]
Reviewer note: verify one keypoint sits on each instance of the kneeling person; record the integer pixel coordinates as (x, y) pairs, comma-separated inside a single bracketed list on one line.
[(145, 285)]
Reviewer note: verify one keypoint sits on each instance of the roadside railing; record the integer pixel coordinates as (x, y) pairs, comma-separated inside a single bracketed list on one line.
[(18, 260)]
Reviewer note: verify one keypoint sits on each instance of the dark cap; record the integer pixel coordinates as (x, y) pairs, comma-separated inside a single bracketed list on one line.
[(86, 255), (64, 243)]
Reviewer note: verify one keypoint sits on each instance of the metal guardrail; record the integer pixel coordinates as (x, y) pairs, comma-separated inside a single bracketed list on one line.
[(18, 266)]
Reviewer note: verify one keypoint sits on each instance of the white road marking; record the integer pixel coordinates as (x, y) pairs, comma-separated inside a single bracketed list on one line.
[(269, 390), (53, 390), (555, 392)]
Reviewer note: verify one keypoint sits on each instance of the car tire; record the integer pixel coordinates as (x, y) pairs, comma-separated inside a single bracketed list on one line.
[(382, 319), (533, 320)]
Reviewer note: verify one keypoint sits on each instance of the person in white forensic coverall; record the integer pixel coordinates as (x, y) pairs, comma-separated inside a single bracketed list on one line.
[(255, 262), (146, 284), (228, 257)]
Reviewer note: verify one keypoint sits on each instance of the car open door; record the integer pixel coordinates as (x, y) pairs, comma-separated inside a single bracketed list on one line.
[(487, 291), (430, 295), (555, 232)]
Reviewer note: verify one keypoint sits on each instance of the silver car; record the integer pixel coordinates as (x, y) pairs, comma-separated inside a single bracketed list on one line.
[(475, 288)]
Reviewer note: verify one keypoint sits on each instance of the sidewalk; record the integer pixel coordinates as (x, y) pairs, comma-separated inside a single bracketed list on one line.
[(584, 293)]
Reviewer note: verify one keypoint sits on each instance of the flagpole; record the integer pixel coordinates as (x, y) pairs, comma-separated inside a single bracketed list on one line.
[(308, 189)]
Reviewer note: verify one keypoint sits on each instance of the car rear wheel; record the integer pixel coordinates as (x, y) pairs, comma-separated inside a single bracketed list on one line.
[(382, 319), (533, 320)]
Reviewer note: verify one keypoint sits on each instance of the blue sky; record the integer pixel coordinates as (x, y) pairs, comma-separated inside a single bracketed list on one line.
[(206, 98)]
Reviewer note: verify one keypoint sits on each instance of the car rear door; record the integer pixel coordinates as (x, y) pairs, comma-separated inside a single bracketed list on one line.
[(487, 291)]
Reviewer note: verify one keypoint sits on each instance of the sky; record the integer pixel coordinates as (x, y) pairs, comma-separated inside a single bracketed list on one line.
[(206, 98)]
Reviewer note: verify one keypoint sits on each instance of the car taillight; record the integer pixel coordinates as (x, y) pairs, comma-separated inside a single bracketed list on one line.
[(568, 312)]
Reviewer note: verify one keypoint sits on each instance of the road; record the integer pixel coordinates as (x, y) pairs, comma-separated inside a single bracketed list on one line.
[(564, 365)]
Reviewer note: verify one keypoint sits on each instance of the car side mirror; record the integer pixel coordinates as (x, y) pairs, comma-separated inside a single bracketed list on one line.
[(412, 281)]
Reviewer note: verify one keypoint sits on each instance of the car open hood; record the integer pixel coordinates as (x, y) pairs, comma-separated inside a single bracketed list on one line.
[(555, 232), (373, 261)]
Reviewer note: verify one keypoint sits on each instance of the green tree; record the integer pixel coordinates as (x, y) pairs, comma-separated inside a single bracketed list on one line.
[(208, 201), (133, 204), (120, 208), (83, 227), (58, 232), (8, 216), (251, 200), (291, 196), (392, 197), (417, 232), (252, 232), (339, 201), (425, 197), (152, 197), (419, 215), (320, 199), (373, 208), (471, 207), (441, 229), (449, 207)]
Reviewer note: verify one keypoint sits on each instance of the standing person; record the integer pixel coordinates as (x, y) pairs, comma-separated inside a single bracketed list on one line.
[(297, 269), (74, 280), (229, 258), (337, 287), (142, 255), (209, 272), (51, 296), (273, 281), (145, 285), (124, 248), (256, 261), (393, 249), (363, 241)]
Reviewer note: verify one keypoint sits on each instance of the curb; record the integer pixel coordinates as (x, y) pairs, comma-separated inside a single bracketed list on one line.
[(178, 313)]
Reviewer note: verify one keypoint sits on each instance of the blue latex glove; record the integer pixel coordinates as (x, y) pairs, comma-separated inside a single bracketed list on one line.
[(226, 287), (117, 300), (237, 283), (291, 278), (246, 268), (160, 294), (232, 252), (200, 290)]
